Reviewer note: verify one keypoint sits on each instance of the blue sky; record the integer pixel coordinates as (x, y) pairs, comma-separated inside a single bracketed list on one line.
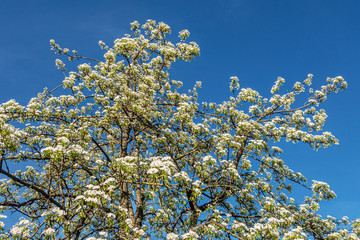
[(254, 40)]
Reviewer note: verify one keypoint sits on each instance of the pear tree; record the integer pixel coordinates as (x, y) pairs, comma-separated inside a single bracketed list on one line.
[(120, 151)]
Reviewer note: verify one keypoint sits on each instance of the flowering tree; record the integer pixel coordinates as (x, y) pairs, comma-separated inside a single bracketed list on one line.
[(125, 155)]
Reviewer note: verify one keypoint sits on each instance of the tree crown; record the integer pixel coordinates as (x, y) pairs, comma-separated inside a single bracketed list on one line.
[(125, 155)]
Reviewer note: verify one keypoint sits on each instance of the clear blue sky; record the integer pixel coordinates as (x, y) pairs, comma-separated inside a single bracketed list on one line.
[(254, 40)]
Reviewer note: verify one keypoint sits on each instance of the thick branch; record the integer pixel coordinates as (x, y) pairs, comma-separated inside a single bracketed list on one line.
[(42, 192)]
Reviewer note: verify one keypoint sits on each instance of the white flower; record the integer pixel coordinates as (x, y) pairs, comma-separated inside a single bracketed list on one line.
[(171, 236), (152, 171), (183, 176), (191, 234), (15, 230), (59, 64), (93, 200), (128, 222), (184, 34), (49, 232)]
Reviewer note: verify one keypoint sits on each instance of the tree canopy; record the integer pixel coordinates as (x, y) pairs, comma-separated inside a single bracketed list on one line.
[(123, 153)]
